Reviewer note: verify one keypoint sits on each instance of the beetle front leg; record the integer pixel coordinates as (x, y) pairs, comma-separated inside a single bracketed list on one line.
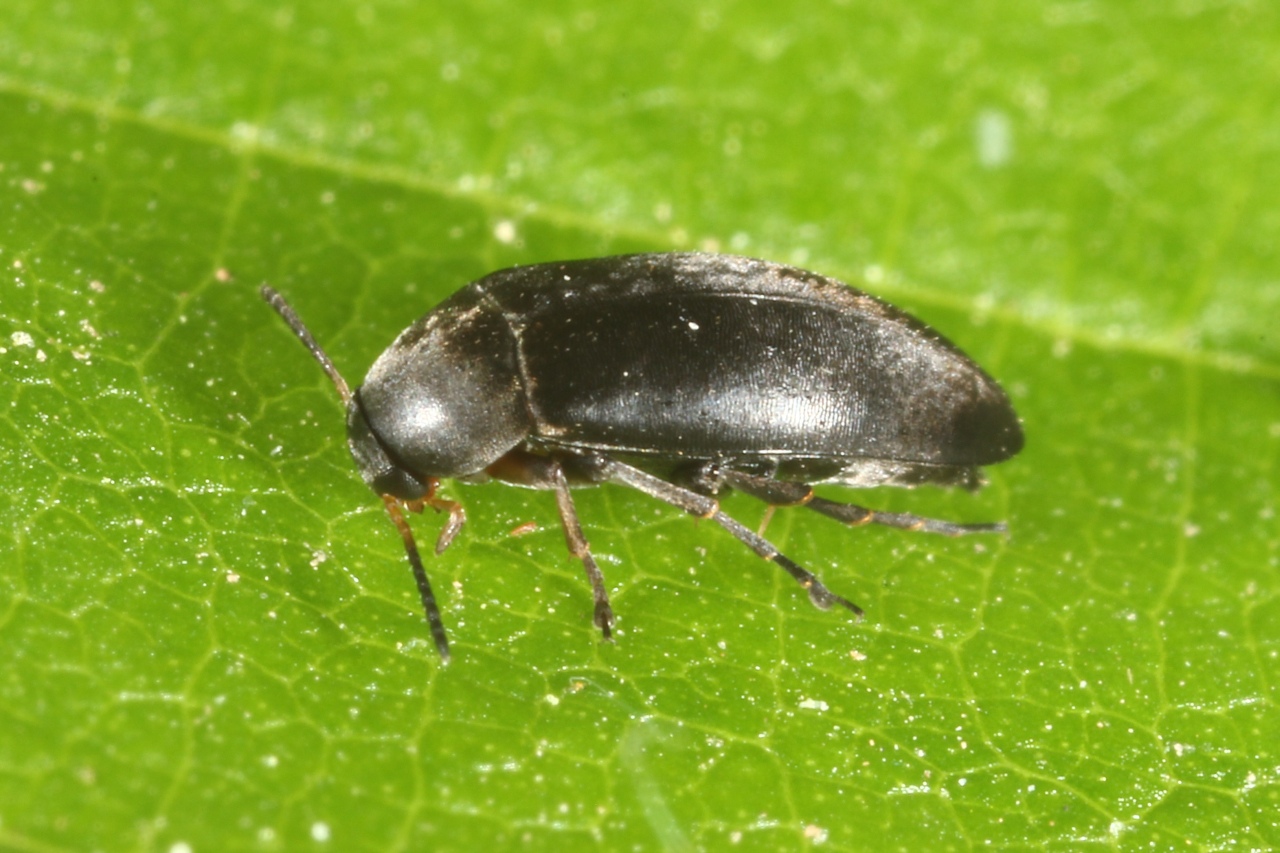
[(705, 507), (457, 515), (579, 548)]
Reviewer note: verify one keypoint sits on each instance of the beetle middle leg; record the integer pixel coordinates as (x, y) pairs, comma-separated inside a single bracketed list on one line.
[(706, 507), (579, 548), (785, 493)]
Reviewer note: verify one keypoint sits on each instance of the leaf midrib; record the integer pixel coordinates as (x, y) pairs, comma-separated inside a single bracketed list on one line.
[(1167, 348)]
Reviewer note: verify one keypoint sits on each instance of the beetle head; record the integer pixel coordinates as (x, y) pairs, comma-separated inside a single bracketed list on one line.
[(383, 474)]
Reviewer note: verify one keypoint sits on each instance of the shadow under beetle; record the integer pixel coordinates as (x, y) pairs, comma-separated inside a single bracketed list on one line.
[(680, 375)]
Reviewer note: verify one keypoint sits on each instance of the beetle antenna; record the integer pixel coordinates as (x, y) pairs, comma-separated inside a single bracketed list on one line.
[(420, 575), (276, 301)]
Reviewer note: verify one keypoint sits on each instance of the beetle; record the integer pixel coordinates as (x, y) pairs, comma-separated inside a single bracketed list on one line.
[(681, 375)]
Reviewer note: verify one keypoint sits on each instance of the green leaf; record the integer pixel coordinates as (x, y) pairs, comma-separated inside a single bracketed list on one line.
[(212, 641)]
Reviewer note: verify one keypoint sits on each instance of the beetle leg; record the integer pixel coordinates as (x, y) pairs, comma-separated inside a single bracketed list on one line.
[(457, 518), (765, 519), (782, 493), (579, 548), (705, 478), (856, 515), (420, 575), (775, 493), (705, 507)]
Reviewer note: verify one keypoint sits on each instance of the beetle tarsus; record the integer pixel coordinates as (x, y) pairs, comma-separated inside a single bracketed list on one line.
[(822, 598), (856, 515), (604, 618), (825, 599), (452, 527)]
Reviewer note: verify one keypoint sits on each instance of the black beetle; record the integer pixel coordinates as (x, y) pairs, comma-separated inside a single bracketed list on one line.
[(678, 374)]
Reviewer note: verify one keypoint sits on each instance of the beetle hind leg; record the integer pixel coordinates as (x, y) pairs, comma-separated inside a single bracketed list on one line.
[(856, 515), (785, 493), (706, 507)]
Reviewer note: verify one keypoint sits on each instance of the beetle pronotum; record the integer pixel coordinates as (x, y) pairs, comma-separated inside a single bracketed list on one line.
[(680, 375)]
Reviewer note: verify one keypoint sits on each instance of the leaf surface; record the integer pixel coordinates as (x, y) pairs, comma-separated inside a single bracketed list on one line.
[(213, 641)]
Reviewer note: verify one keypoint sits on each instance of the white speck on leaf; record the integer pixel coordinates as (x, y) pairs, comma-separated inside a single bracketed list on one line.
[(993, 137), (505, 232), (816, 834)]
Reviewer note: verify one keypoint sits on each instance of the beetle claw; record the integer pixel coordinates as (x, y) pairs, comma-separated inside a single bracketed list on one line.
[(604, 619), (825, 599)]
